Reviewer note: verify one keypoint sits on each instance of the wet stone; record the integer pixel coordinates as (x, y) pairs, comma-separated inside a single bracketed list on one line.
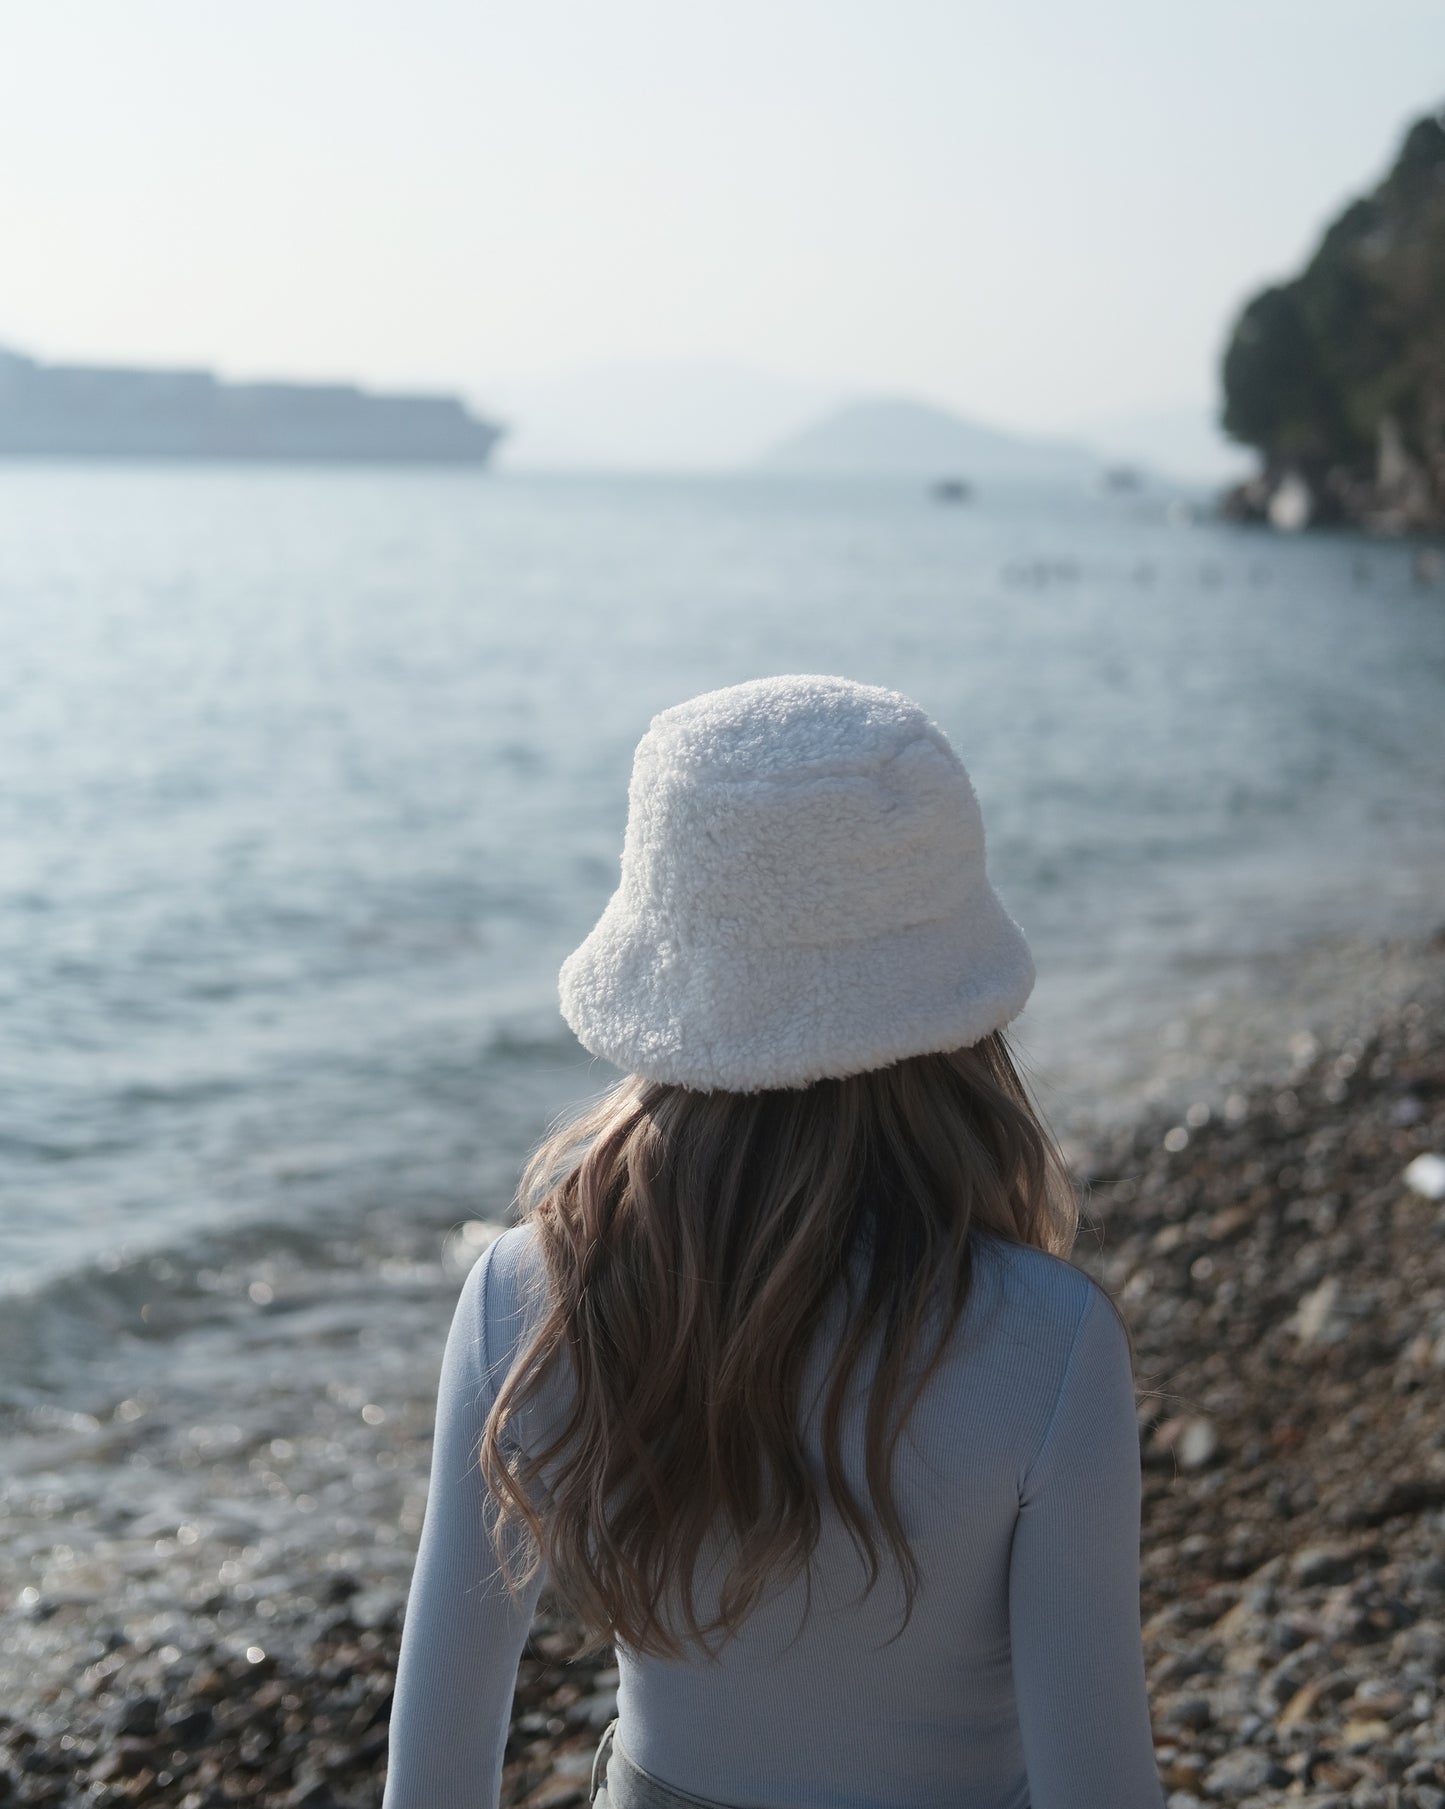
[(1243, 1771), (138, 1716), (1186, 1712), (1315, 1565)]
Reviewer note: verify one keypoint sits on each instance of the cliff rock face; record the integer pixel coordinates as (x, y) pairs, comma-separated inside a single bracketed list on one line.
[(1338, 377)]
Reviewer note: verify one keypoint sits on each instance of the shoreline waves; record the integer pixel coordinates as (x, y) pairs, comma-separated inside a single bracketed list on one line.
[(221, 1624)]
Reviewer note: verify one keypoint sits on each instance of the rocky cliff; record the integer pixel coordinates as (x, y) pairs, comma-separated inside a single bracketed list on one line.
[(1338, 377)]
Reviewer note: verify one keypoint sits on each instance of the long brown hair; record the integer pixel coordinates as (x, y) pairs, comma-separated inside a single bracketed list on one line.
[(692, 1243)]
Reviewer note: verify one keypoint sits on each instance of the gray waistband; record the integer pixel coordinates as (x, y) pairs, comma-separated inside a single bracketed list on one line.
[(619, 1783)]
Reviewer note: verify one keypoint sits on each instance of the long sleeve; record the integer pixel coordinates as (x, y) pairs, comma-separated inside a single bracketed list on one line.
[(463, 1635), (1078, 1656)]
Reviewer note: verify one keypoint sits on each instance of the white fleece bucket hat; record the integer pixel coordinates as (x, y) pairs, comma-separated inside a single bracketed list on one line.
[(803, 896)]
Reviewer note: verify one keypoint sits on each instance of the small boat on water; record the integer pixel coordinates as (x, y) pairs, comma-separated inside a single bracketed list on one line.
[(1122, 480), (952, 490)]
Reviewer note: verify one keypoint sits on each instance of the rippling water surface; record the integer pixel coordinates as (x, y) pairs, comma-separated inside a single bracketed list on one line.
[(309, 780)]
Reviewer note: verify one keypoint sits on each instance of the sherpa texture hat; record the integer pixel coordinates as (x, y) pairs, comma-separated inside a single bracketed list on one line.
[(803, 895)]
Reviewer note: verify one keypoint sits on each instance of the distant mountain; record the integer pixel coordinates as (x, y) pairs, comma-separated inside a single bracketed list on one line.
[(100, 411), (665, 415), (894, 437)]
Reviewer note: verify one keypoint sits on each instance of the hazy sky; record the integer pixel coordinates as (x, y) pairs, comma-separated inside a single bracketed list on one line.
[(1038, 213)]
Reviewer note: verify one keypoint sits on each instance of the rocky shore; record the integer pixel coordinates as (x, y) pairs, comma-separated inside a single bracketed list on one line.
[(1282, 1265), (1401, 503), (1280, 1257)]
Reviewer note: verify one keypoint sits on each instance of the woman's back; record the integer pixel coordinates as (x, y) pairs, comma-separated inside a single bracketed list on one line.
[(1018, 1682), (804, 976)]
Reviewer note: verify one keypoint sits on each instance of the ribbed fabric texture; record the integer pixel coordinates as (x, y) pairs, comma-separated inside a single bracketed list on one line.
[(1017, 1684)]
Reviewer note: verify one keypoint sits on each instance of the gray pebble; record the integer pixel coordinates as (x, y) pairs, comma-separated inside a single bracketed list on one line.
[(1246, 1769)]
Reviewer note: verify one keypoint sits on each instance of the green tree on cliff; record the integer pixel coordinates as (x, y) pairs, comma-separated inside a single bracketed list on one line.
[(1339, 374)]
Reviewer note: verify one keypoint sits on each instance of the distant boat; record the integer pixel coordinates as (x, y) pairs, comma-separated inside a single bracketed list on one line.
[(1123, 480), (952, 490), (88, 411)]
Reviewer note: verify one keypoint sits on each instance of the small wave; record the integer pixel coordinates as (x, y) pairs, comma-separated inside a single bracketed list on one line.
[(512, 1045), (97, 1326), (40, 1148)]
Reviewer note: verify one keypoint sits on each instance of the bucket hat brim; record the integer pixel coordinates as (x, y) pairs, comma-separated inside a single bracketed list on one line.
[(786, 1017)]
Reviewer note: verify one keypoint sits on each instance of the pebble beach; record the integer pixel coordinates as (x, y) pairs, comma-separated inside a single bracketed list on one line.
[(1278, 1249)]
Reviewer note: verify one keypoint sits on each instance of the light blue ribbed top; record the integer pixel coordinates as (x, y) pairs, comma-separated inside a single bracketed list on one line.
[(1017, 1684)]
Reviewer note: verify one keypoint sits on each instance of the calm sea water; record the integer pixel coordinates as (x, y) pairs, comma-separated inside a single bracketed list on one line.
[(310, 779)]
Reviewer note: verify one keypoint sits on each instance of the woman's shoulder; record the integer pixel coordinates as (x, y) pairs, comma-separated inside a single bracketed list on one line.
[(514, 1259), (498, 1294), (1051, 1335), (1036, 1291)]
